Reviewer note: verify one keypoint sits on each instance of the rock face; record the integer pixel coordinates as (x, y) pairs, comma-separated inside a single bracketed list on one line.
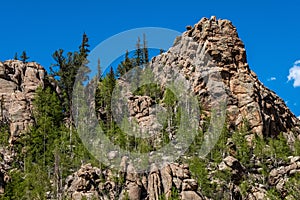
[(141, 109), (248, 99), (90, 182), (278, 176), (18, 82)]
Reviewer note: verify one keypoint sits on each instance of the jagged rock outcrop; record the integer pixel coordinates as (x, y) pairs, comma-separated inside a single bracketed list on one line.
[(248, 99), (91, 182), (279, 175), (142, 110), (232, 164), (19, 82)]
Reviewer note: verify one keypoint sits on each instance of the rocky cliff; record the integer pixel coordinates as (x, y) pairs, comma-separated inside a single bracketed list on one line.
[(19, 82), (248, 98)]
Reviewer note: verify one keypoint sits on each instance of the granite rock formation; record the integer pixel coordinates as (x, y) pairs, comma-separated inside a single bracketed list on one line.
[(91, 182), (19, 82), (247, 98)]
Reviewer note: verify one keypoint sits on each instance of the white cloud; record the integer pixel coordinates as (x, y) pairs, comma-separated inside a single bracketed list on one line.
[(294, 74), (272, 79), (298, 117)]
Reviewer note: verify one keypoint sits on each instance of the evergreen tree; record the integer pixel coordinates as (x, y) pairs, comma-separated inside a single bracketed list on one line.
[(48, 119), (292, 186), (83, 48), (109, 83), (99, 72), (30, 184), (279, 148), (139, 57), (125, 65), (16, 56), (128, 65), (145, 50), (199, 171), (244, 151), (68, 66), (24, 57), (104, 95)]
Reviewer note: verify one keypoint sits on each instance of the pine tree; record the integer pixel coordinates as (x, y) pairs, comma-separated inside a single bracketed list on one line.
[(279, 148), (141, 56), (16, 56), (68, 66), (244, 151), (48, 117), (103, 97), (125, 65), (24, 57), (99, 72), (108, 86), (145, 50), (199, 171), (139, 60), (83, 48)]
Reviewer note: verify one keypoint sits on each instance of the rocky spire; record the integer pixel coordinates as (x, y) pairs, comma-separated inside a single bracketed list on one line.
[(248, 99)]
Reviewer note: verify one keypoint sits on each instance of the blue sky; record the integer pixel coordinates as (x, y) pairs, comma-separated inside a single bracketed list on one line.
[(269, 29)]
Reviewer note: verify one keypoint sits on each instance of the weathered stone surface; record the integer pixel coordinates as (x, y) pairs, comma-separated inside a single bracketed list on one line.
[(234, 166), (141, 111), (189, 185), (85, 183), (134, 191), (248, 99), (154, 184), (278, 176), (166, 178), (19, 82), (187, 195), (257, 193), (91, 182)]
